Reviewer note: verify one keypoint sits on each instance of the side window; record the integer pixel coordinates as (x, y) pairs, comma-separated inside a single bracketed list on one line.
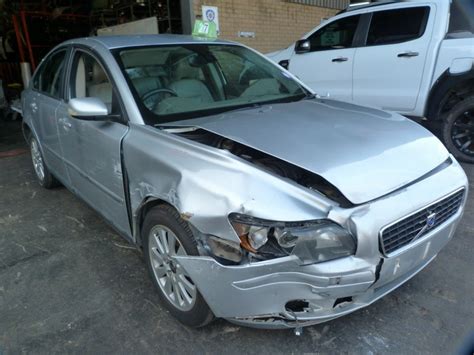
[(461, 21), (397, 26), (336, 35), (49, 77), (88, 79)]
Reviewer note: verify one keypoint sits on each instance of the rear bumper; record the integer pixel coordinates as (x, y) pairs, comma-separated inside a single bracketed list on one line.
[(256, 294)]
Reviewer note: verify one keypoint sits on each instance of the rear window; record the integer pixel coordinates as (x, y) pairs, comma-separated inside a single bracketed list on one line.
[(462, 18), (397, 26)]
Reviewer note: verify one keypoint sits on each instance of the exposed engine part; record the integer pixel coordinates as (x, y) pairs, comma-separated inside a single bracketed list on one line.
[(276, 166)]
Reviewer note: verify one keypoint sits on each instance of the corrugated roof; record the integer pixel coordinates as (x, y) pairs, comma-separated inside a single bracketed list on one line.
[(331, 4)]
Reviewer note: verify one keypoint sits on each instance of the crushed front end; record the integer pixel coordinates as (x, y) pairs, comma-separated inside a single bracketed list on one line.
[(394, 238)]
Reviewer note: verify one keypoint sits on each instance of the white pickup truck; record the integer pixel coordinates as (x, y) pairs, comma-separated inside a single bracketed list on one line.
[(414, 57)]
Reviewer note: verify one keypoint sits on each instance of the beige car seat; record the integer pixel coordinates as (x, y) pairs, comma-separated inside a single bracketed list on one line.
[(100, 86), (97, 85)]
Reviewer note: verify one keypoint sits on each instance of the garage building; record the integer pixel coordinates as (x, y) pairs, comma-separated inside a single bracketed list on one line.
[(31, 28)]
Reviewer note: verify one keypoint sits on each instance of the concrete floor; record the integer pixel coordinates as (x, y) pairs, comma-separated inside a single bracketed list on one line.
[(69, 283)]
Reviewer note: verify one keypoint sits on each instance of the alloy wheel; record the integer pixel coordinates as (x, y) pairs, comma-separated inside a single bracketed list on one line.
[(462, 133), (173, 281), (37, 159)]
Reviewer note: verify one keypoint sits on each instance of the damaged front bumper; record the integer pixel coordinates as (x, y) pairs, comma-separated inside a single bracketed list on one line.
[(281, 293), (286, 293)]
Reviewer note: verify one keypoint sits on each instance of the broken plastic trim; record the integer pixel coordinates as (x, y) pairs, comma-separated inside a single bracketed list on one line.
[(297, 306), (224, 249), (342, 300)]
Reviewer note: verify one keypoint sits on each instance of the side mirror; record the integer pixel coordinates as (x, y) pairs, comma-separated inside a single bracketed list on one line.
[(89, 109), (302, 46)]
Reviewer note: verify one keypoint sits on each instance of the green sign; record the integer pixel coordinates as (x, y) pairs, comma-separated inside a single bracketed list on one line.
[(205, 29)]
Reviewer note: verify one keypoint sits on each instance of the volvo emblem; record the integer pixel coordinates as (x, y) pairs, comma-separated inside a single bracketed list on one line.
[(430, 220), (430, 223)]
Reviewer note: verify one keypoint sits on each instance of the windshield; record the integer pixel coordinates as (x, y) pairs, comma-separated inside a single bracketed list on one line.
[(177, 82)]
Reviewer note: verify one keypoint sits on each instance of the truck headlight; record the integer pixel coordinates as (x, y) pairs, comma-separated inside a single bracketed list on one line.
[(311, 241)]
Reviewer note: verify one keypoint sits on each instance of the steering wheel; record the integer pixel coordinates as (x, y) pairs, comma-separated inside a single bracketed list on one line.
[(155, 92)]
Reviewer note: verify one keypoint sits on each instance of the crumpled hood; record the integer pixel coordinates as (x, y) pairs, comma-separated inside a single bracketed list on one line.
[(364, 152)]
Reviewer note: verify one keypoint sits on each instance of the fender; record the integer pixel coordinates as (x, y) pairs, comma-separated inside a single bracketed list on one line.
[(443, 85), (140, 212)]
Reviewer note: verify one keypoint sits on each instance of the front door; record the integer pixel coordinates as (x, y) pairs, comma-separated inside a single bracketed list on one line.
[(327, 67), (92, 149)]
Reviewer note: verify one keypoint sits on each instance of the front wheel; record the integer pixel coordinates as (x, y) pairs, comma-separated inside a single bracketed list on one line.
[(164, 236), (458, 130)]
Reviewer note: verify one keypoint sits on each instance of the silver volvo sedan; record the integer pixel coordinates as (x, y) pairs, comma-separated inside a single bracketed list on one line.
[(253, 199)]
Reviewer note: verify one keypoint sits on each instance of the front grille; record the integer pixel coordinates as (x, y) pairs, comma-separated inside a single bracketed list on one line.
[(415, 226)]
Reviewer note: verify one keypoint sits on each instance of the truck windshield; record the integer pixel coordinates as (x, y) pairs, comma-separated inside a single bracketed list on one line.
[(182, 81), (462, 18)]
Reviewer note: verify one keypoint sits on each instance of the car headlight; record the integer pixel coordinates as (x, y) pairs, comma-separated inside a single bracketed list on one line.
[(311, 241)]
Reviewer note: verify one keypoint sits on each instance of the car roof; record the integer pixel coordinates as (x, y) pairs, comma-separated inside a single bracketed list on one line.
[(112, 42)]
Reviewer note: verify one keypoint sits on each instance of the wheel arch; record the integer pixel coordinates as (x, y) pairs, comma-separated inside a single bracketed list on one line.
[(145, 206), (28, 133), (448, 90)]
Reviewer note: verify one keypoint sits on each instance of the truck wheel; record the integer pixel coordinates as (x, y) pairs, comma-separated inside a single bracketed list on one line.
[(164, 235), (43, 175), (458, 130)]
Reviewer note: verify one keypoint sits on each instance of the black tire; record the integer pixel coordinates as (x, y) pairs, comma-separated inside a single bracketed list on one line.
[(46, 179), (461, 112), (200, 314)]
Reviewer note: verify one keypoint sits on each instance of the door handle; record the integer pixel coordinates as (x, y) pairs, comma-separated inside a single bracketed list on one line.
[(408, 54), (340, 59)]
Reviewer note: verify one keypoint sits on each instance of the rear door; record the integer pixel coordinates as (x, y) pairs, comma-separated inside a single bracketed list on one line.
[(327, 67), (388, 71), (44, 100), (92, 149)]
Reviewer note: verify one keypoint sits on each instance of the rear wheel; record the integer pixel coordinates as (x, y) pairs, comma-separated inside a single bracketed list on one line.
[(458, 130), (164, 236), (43, 175)]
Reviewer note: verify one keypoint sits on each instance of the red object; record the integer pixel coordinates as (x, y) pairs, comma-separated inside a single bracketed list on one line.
[(16, 26), (28, 43)]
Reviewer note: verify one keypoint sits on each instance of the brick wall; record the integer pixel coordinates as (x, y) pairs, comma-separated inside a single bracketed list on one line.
[(276, 23)]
